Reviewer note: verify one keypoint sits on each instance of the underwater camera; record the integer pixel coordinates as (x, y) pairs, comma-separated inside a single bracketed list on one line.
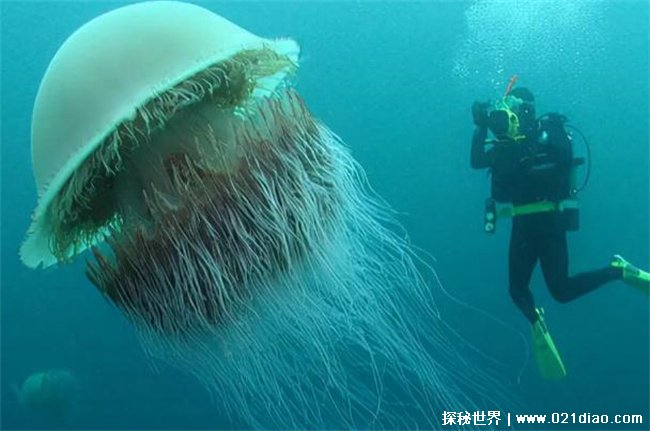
[(501, 121)]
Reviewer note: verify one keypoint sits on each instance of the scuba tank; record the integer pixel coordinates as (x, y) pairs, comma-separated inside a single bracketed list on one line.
[(557, 126)]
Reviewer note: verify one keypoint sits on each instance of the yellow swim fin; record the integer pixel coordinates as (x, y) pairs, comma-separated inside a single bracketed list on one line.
[(632, 275), (548, 358)]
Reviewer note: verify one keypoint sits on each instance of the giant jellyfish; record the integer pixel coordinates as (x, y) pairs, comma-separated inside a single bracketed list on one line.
[(232, 228)]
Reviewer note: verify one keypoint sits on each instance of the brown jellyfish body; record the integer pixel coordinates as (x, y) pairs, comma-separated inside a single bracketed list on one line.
[(232, 228)]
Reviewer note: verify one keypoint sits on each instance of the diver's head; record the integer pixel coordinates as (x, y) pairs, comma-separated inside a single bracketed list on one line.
[(524, 108)]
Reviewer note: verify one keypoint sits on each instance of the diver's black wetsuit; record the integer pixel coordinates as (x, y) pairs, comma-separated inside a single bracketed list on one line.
[(530, 171)]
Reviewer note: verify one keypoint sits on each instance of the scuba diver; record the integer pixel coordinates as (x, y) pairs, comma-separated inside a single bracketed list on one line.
[(532, 168)]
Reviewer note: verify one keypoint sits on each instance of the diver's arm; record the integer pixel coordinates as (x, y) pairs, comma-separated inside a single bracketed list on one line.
[(480, 157)]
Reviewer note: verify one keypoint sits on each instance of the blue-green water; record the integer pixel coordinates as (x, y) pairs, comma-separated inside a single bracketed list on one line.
[(395, 80)]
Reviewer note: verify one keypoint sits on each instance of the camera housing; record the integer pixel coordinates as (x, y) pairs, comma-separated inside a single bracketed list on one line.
[(501, 122)]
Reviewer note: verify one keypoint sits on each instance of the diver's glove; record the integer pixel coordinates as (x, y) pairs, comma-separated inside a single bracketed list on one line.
[(480, 114)]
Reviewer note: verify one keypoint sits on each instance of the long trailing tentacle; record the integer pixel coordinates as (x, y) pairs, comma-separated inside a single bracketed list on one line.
[(282, 285)]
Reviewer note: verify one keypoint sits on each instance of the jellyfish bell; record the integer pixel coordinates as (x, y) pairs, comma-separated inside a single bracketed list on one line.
[(232, 228), (50, 395), (100, 88)]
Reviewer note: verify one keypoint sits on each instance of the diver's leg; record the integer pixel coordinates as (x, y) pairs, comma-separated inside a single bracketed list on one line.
[(554, 258), (522, 258), (547, 356)]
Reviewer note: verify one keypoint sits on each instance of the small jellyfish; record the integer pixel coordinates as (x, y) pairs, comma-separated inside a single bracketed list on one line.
[(49, 395)]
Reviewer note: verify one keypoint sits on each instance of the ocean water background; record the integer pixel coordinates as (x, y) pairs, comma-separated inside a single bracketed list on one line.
[(396, 81)]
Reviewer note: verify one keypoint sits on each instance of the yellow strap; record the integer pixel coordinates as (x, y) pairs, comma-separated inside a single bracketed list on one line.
[(536, 207)]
